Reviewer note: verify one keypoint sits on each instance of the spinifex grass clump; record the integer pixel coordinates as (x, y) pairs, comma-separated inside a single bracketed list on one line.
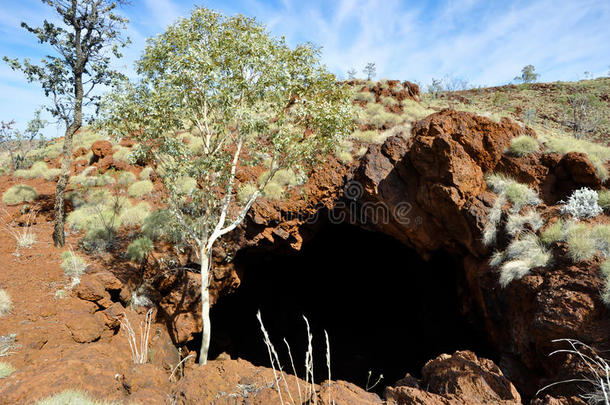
[(19, 194), (139, 249), (523, 145)]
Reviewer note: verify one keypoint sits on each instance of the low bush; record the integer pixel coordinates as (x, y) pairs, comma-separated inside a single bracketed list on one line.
[(582, 203), (516, 193), (521, 256), (414, 111), (493, 220), (162, 224), (581, 244), (601, 235), (553, 233), (378, 117), (72, 264), (145, 173), (185, 184), (18, 194), (76, 198), (126, 178), (245, 191), (139, 249), (404, 129), (603, 199), (135, 215), (365, 96), (6, 369), (104, 180), (389, 101), (140, 188), (122, 153), (343, 150), (6, 303), (39, 170), (516, 222), (273, 191), (368, 137), (523, 145)]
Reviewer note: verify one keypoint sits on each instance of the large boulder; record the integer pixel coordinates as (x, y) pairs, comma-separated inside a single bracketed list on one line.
[(458, 379)]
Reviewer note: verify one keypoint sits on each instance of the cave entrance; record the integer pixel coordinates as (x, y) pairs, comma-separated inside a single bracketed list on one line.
[(385, 309)]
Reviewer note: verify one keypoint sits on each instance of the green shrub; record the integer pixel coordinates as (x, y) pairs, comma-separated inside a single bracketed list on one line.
[(553, 233), (39, 170), (520, 194), (84, 180), (414, 111), (343, 151), (361, 151), (389, 101), (523, 145), (122, 153), (135, 215), (581, 244), (76, 198), (104, 180), (18, 194), (71, 397), (273, 191), (521, 256), (404, 129), (377, 116), (145, 173), (72, 264), (286, 177), (126, 178), (6, 369), (601, 235), (516, 222), (368, 137), (6, 304), (603, 199), (365, 96), (185, 184), (245, 191), (162, 224), (139, 249), (140, 188), (516, 193)]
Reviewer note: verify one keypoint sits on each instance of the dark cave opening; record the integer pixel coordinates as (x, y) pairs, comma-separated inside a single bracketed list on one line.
[(385, 309)]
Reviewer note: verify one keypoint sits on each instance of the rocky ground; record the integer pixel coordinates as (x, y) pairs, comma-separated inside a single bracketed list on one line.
[(431, 177)]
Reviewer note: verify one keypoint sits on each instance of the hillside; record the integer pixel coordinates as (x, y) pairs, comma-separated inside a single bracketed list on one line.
[(434, 247)]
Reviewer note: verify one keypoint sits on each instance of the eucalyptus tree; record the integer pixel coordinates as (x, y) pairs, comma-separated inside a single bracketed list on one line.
[(249, 98), (84, 39), (370, 70)]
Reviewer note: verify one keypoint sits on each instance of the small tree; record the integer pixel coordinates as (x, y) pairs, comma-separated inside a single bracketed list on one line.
[(583, 113), (89, 32), (18, 144), (250, 98), (370, 70), (351, 74), (528, 74)]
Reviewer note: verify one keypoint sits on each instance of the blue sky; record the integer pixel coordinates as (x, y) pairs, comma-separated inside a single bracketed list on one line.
[(486, 42)]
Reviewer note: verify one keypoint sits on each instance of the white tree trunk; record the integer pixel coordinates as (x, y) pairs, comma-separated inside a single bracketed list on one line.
[(205, 306)]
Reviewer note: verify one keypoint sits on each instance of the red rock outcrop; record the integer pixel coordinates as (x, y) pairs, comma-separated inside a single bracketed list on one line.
[(458, 379), (432, 184)]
